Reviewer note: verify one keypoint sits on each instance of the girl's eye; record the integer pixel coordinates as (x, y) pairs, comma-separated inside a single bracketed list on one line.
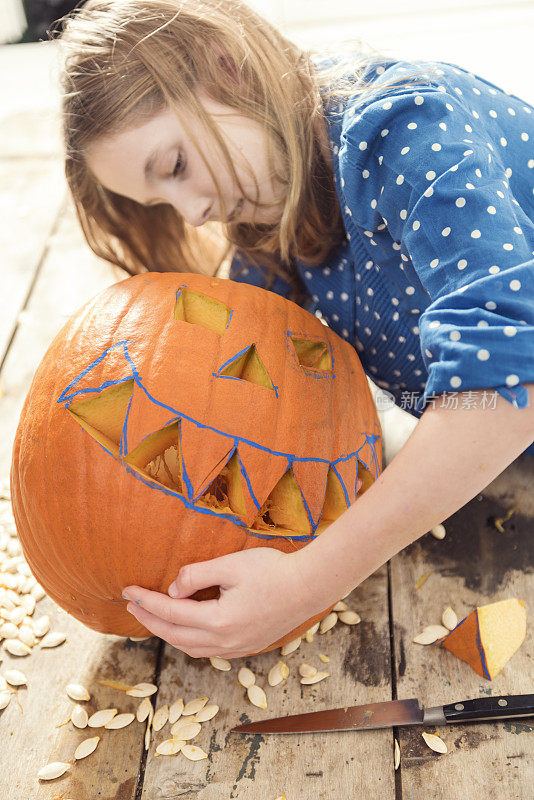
[(177, 167)]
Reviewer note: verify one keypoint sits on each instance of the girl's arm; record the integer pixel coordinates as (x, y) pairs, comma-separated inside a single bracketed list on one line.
[(449, 458)]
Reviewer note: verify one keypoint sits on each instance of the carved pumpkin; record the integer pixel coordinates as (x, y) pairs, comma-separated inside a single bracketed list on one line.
[(177, 418)]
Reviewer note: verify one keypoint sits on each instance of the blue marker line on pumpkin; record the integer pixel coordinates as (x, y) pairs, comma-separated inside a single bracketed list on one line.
[(234, 358), (137, 379), (226, 460), (123, 447), (249, 485), (63, 396), (311, 371), (345, 493), (481, 649)]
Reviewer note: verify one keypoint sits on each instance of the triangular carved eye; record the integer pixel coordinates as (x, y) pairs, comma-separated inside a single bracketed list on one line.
[(247, 366), (313, 354), (199, 309)]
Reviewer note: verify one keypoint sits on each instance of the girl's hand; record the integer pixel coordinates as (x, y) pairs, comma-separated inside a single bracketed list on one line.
[(262, 597)]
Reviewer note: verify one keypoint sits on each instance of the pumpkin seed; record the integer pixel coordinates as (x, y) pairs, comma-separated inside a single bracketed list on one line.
[(15, 677), (278, 673), (319, 676), (340, 606), (17, 615), (206, 713), (5, 697), (397, 754), (86, 747), (186, 730), (193, 706), (434, 742), (257, 696), (438, 531), (100, 718), (79, 717), (449, 618), (139, 638), (175, 711), (290, 647), (328, 622), (310, 633), (307, 671), (142, 690), (122, 687), (160, 717), (421, 580), (26, 635), (430, 634), (53, 639), (324, 659), (16, 647), (42, 626), (120, 721), (149, 728), (170, 747), (143, 709), (246, 677), (8, 630), (193, 753), (349, 617), (77, 692), (220, 663), (37, 592), (27, 602), (53, 770)]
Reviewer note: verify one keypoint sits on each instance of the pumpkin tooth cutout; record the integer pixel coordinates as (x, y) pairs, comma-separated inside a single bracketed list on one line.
[(199, 309), (135, 455)]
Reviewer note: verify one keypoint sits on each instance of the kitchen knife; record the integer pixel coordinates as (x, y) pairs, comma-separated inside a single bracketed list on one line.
[(396, 712)]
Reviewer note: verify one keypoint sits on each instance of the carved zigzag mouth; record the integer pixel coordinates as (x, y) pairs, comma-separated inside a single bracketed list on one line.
[(160, 462)]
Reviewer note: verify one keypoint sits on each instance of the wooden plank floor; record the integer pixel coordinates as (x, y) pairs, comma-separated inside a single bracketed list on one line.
[(48, 274)]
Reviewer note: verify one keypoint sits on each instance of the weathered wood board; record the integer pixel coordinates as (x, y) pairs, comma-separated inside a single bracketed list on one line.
[(48, 273)]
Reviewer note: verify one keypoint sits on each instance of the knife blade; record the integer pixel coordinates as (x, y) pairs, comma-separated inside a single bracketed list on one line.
[(395, 712)]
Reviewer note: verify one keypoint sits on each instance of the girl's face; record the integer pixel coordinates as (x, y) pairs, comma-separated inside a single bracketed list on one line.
[(157, 162)]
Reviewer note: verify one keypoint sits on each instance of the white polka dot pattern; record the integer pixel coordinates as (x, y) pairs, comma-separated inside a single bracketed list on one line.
[(434, 283)]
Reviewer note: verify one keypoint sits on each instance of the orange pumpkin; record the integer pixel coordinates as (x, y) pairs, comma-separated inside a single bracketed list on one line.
[(177, 418)]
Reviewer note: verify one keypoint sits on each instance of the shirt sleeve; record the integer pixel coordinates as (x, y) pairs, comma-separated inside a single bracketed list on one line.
[(420, 163), (243, 271)]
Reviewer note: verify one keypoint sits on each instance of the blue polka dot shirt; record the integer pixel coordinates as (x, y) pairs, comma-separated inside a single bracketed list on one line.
[(434, 283)]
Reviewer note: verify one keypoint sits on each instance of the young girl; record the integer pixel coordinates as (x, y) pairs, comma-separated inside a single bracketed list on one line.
[(394, 198)]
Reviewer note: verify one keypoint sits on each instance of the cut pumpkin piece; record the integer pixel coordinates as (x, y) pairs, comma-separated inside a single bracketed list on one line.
[(489, 636)]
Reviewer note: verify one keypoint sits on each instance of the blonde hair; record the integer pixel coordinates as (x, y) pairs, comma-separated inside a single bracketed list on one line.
[(125, 61)]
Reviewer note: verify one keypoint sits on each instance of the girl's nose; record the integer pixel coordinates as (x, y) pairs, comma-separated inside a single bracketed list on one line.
[(195, 214)]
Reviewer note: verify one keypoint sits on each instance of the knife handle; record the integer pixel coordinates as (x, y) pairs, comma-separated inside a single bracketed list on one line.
[(485, 708)]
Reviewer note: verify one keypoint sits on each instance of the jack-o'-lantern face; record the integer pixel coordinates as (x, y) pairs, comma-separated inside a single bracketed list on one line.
[(181, 418)]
